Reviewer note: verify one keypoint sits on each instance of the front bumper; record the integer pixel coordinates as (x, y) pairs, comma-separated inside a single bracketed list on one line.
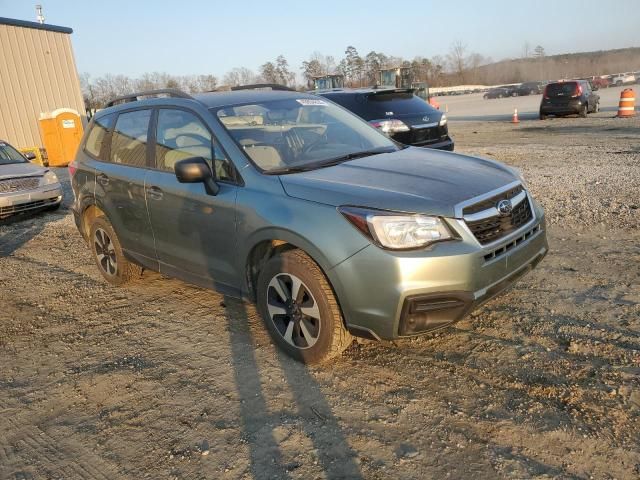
[(388, 295), (30, 200), (440, 145)]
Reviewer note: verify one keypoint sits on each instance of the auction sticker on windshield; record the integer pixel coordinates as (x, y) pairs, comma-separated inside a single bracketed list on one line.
[(311, 102)]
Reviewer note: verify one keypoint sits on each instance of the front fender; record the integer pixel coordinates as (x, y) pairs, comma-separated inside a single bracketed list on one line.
[(318, 229)]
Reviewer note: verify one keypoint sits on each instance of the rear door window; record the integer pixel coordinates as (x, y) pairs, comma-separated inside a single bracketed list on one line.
[(129, 138), (97, 135)]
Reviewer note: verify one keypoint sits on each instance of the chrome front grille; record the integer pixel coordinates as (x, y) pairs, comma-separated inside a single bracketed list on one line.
[(488, 224), (492, 201), (17, 184), (25, 207)]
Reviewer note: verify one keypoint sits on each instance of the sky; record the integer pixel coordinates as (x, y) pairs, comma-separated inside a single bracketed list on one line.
[(201, 37)]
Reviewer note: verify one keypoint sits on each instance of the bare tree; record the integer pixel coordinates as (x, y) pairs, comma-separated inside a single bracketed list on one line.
[(457, 59), (284, 75), (239, 76)]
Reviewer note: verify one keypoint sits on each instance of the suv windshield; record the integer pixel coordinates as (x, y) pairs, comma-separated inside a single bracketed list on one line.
[(8, 155), (295, 134)]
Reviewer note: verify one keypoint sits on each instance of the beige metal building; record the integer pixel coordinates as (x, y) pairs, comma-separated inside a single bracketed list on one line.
[(37, 75)]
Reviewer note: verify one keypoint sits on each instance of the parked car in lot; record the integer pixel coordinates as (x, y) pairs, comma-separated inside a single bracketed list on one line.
[(569, 98), (290, 201), (500, 92), (398, 113), (623, 79), (600, 82), (530, 88), (25, 187)]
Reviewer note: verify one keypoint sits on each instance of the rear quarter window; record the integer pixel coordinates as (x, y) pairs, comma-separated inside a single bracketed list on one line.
[(97, 135)]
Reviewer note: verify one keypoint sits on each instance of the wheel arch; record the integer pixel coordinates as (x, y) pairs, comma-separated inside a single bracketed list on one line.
[(269, 242), (266, 248), (90, 212)]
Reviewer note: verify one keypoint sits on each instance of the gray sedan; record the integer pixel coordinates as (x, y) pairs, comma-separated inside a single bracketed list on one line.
[(24, 186)]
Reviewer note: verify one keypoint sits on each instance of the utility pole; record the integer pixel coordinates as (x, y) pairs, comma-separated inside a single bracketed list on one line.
[(39, 15)]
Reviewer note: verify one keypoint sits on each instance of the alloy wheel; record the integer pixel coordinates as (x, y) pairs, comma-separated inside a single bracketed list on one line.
[(105, 252), (293, 310)]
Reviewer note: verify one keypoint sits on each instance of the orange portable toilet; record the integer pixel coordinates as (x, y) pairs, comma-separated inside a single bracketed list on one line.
[(61, 132)]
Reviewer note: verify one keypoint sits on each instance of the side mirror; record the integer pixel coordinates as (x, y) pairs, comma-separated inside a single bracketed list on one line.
[(196, 170), (30, 156)]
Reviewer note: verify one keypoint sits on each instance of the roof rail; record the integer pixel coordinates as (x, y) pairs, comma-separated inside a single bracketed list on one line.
[(133, 97), (256, 86)]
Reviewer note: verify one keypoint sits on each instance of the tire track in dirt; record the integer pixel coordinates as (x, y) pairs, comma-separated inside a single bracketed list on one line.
[(62, 458)]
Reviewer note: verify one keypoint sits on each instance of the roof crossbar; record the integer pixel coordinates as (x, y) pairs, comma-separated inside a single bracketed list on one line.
[(256, 86), (134, 97)]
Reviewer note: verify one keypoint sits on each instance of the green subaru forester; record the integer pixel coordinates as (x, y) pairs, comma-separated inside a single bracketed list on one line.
[(290, 201)]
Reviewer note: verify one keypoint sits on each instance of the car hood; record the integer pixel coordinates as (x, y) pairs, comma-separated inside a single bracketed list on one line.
[(411, 180), (21, 170)]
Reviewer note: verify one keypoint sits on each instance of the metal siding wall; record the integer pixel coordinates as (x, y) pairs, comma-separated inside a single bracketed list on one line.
[(37, 74)]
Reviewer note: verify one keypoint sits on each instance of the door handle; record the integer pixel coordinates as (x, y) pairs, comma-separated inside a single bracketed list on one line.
[(103, 179), (154, 193)]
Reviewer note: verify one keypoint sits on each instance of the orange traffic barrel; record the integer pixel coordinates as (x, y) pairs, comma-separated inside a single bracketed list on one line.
[(627, 107)]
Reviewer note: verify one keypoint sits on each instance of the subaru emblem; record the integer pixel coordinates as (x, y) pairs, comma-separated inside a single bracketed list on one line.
[(425, 119), (504, 207)]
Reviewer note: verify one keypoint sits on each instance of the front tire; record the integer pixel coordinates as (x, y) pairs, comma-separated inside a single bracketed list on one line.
[(299, 308), (107, 253)]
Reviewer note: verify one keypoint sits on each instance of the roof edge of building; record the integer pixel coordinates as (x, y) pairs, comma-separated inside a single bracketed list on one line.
[(38, 26)]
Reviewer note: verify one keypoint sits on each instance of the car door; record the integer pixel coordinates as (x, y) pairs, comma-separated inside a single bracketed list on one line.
[(120, 183), (195, 233)]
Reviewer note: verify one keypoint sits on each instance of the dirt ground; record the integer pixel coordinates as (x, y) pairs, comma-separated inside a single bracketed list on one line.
[(163, 380)]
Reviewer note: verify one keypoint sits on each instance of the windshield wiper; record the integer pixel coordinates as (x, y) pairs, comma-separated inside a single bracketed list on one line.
[(353, 156), (328, 163), (292, 169)]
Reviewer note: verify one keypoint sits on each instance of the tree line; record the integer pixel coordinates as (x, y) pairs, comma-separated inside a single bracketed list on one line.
[(459, 66)]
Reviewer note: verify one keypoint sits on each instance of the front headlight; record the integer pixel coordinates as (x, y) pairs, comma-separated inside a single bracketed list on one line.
[(49, 178), (443, 120), (398, 231)]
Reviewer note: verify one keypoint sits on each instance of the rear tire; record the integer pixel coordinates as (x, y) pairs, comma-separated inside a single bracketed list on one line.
[(107, 253), (300, 309), (584, 111)]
